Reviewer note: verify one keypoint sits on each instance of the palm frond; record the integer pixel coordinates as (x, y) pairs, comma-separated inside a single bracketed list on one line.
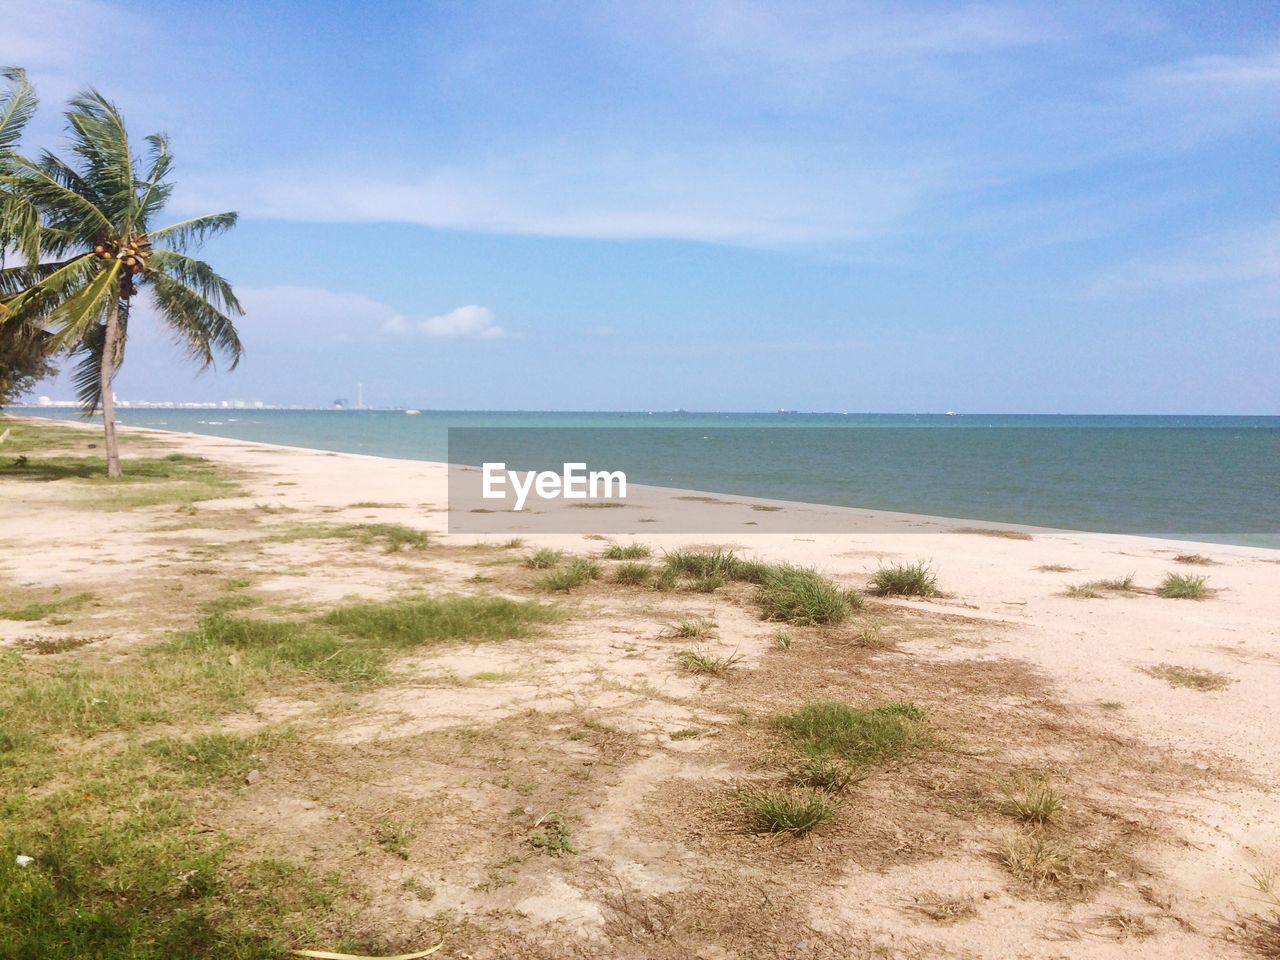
[(156, 192), (199, 276), (102, 143), (74, 317), (17, 106), (197, 325), (62, 204), (187, 234)]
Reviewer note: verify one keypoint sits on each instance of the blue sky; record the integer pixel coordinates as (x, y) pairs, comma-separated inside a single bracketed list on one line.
[(721, 206)]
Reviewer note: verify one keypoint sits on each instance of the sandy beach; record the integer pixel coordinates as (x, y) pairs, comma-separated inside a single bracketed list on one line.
[(1152, 719)]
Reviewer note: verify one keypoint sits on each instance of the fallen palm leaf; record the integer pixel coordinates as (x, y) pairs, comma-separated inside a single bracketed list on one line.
[(327, 955)]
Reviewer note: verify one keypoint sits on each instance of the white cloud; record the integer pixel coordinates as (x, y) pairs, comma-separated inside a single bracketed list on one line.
[(287, 313), (469, 321)]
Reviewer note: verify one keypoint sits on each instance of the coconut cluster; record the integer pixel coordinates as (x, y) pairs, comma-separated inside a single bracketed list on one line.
[(132, 254)]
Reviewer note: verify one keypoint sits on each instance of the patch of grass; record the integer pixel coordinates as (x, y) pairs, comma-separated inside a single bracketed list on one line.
[(633, 574), (394, 837), (374, 505), (1183, 586), (208, 758), (393, 536), (147, 481), (230, 602), (1033, 803), (860, 737), (1055, 568), (1195, 559), (870, 636), (1083, 591), (905, 580), (576, 573), (1191, 677), (707, 584), (629, 551), (782, 639), (993, 532), (725, 564), (695, 628), (823, 773), (543, 559), (695, 661), (1110, 705), (267, 646), (802, 596), (551, 835), (667, 579), (1115, 583), (1038, 861), (515, 543), (402, 624), (1261, 929), (40, 609), (787, 811), (685, 734)]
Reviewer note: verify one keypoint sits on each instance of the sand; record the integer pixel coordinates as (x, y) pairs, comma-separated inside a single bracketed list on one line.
[(1211, 824)]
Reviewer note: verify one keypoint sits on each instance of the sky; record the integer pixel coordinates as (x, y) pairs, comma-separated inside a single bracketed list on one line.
[(717, 205)]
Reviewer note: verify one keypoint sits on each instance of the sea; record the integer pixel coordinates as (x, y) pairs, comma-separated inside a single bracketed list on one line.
[(1205, 478)]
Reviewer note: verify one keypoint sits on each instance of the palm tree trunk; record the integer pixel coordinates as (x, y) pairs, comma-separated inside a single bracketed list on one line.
[(109, 339)]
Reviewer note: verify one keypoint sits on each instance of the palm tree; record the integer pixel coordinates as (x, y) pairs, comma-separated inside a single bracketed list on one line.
[(94, 249)]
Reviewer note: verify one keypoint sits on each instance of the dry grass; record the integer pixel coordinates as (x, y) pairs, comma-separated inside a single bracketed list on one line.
[(1193, 678)]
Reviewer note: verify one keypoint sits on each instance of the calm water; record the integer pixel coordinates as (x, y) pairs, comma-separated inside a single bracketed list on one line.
[(1204, 478)]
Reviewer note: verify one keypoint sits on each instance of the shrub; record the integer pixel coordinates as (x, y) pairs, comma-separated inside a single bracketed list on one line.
[(905, 580)]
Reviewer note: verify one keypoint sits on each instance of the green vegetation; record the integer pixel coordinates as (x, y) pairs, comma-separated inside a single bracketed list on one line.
[(905, 580), (1033, 803), (1182, 586), (1098, 588), (696, 628), (394, 838), (1038, 861), (1191, 677), (40, 609), (186, 479), (823, 773), (578, 572), (802, 596), (870, 636), (374, 505), (544, 559), (419, 622), (394, 537), (782, 639), (788, 811), (630, 551), (706, 663), (551, 835), (633, 574), (859, 737)]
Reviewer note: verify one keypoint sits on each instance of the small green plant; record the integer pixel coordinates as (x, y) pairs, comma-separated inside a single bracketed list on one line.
[(823, 773), (667, 579), (551, 835), (706, 663), (39, 610), (629, 551), (576, 573), (782, 639), (696, 628), (870, 636), (708, 584), (1115, 583), (1033, 803), (905, 580), (787, 811), (1190, 677), (515, 543), (860, 737), (543, 559), (394, 838), (801, 596), (1083, 591), (1183, 586), (633, 574)]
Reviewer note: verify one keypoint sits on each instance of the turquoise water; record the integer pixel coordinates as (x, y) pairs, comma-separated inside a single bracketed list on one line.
[(1215, 479)]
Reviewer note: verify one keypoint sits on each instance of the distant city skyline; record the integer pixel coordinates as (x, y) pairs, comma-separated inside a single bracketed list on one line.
[(738, 205)]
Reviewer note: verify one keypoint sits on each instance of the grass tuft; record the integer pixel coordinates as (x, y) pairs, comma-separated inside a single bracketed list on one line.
[(706, 663), (632, 573), (788, 811), (576, 573), (860, 737), (1038, 861), (1195, 559), (544, 559), (1033, 803), (1183, 586), (629, 551), (905, 580), (40, 609), (696, 628), (802, 596)]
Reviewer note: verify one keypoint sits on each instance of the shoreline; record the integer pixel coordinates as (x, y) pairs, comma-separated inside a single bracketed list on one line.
[(818, 512)]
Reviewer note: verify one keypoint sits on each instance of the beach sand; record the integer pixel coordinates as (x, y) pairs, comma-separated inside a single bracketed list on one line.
[(1169, 792)]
